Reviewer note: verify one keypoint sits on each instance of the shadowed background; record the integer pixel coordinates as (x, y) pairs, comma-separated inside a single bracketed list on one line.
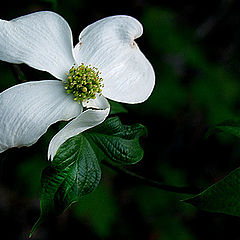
[(194, 47)]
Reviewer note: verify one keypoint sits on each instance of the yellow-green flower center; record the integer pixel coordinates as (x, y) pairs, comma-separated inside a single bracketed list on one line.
[(83, 82)]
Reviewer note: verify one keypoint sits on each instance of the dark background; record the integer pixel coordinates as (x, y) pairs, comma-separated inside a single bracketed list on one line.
[(194, 47)]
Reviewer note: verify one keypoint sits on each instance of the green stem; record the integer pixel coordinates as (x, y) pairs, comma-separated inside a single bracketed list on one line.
[(151, 182)]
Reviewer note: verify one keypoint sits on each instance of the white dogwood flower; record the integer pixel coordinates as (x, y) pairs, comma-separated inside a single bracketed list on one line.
[(106, 63)]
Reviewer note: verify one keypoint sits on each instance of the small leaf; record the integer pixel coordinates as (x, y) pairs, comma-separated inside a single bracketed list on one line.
[(222, 197), (118, 142)]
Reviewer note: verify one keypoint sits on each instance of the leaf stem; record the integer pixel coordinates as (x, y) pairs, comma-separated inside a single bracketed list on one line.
[(151, 182)]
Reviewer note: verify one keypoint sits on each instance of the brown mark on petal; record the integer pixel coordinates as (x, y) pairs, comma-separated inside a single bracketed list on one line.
[(133, 44)]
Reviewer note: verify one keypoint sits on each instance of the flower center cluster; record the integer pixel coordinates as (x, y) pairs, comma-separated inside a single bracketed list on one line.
[(83, 82)]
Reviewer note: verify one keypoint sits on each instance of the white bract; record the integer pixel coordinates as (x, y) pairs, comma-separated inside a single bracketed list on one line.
[(43, 40)]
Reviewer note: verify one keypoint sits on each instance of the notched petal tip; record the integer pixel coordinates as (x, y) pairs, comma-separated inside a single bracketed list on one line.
[(109, 45), (121, 24)]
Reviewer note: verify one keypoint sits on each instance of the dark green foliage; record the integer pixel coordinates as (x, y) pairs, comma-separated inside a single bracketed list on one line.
[(229, 126), (75, 171), (119, 143), (117, 107), (222, 197)]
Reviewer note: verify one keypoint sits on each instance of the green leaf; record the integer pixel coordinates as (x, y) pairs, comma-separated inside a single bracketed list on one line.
[(222, 197), (229, 126), (117, 142), (74, 172), (117, 107)]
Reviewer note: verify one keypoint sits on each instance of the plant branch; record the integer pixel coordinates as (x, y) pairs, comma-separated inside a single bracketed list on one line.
[(151, 182)]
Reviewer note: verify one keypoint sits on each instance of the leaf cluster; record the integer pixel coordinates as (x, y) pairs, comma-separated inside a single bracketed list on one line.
[(75, 170)]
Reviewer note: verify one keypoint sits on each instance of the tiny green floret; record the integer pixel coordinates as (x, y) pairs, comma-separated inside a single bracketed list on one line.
[(84, 82)]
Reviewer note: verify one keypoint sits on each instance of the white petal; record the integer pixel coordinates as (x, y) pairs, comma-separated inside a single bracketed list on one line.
[(42, 40), (28, 109), (99, 102), (108, 44), (88, 119)]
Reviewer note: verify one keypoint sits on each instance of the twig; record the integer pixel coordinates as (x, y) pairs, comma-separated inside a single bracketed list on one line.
[(151, 182)]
